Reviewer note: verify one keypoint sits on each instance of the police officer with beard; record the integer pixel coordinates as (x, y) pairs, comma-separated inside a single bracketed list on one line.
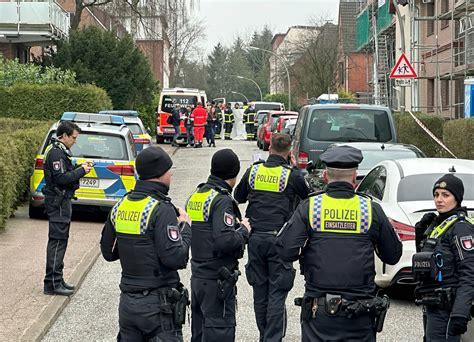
[(337, 232), (151, 238), (219, 237), (61, 181), (444, 264), (272, 189)]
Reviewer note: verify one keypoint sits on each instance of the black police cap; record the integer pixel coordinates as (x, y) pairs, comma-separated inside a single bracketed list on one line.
[(342, 157)]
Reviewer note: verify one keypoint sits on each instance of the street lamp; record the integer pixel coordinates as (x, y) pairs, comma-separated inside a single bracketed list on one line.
[(282, 60), (249, 79), (234, 92)]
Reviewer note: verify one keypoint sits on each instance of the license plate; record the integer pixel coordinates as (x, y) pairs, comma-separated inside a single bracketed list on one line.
[(89, 182)]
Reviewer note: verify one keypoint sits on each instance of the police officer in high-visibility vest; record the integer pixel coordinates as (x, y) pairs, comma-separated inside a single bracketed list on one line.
[(151, 237), (228, 121), (272, 189), (219, 237), (249, 118), (61, 181), (444, 264), (337, 233)]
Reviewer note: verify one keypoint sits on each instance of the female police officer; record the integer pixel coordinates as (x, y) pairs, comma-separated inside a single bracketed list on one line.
[(445, 265)]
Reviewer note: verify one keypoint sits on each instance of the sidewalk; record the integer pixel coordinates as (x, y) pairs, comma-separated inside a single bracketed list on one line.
[(25, 312)]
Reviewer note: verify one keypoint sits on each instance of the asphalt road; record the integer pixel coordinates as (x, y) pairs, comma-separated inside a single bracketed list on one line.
[(92, 313)]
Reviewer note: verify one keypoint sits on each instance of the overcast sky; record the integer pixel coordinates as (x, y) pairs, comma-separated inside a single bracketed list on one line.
[(226, 19)]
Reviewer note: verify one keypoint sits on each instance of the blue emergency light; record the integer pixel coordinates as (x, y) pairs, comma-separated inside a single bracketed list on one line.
[(133, 113), (93, 118)]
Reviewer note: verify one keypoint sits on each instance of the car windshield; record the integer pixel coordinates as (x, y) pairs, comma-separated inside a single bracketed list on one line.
[(170, 101), (349, 125), (267, 106), (371, 158), (420, 187), (100, 146), (135, 128)]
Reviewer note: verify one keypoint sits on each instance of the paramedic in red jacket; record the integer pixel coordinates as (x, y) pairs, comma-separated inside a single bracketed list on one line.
[(199, 115)]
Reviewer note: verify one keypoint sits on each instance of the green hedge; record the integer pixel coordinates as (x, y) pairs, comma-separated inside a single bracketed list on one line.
[(17, 152), (458, 136), (409, 132), (32, 101)]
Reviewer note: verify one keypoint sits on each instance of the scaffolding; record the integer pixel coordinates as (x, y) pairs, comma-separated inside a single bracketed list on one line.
[(432, 69)]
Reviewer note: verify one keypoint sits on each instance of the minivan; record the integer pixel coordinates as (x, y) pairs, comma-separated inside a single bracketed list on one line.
[(321, 125)]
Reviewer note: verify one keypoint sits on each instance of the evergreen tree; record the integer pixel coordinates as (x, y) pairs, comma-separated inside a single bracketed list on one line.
[(116, 65), (217, 73)]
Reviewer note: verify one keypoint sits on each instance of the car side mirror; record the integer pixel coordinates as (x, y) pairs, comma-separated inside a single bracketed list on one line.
[(148, 130)]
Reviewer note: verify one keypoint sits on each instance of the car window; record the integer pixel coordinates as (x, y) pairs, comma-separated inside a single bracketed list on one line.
[(420, 187), (170, 101), (100, 146), (372, 158), (299, 122), (132, 145), (349, 125), (367, 183), (380, 180), (135, 128), (267, 106)]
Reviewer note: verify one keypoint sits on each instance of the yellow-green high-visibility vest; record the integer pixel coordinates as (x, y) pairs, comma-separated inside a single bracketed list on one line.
[(199, 205), (441, 228), (132, 216), (273, 179), (340, 215)]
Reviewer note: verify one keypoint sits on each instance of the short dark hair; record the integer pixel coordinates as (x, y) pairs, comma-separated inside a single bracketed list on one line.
[(67, 127), (281, 143)]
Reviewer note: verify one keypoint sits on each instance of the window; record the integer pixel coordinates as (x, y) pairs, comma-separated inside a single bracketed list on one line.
[(445, 100), (367, 183), (170, 101), (380, 180), (135, 128), (430, 12), (349, 125), (100, 146), (444, 9), (430, 95)]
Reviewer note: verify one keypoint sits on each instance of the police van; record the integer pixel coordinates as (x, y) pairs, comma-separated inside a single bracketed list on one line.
[(108, 143), (169, 98)]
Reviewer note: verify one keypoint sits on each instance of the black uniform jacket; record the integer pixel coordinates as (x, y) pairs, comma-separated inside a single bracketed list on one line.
[(171, 252), (267, 210), (59, 172), (221, 240), (348, 259), (457, 247)]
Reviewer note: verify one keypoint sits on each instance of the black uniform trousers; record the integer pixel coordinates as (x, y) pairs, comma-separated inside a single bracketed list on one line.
[(147, 316), (437, 324), (59, 210), (271, 279), (228, 130), (338, 328), (213, 319), (249, 130)]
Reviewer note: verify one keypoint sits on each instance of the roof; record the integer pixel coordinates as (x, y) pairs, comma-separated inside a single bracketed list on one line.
[(97, 127), (347, 24), (413, 166), (376, 146), (283, 112), (347, 106)]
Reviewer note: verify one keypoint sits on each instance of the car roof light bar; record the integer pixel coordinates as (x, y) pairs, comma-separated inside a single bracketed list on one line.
[(129, 113), (93, 118)]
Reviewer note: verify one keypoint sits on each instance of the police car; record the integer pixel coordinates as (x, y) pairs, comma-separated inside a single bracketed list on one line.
[(131, 117), (108, 143)]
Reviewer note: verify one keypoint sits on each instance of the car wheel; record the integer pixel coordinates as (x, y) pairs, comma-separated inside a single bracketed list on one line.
[(36, 212), (160, 139)]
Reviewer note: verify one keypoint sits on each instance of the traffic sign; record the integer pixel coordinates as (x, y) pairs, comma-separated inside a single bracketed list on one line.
[(403, 68)]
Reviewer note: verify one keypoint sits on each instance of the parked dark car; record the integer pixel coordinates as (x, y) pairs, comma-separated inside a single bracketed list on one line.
[(321, 125)]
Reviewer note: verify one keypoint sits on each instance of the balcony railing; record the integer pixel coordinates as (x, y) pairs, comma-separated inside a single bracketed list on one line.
[(22, 21)]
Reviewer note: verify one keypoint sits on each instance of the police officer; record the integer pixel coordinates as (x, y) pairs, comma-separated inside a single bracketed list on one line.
[(272, 189), (249, 118), (219, 237), (228, 121), (337, 233), (151, 238), (61, 180), (445, 263)]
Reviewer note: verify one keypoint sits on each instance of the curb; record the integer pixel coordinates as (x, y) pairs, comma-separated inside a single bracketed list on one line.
[(48, 316)]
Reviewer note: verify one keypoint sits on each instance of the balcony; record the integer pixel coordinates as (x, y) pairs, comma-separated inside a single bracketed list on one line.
[(32, 23)]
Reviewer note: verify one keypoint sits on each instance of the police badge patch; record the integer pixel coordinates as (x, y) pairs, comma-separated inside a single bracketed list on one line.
[(466, 243), (228, 219), (57, 165), (173, 233)]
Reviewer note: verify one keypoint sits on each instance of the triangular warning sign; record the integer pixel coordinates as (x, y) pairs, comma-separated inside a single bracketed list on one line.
[(403, 68)]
